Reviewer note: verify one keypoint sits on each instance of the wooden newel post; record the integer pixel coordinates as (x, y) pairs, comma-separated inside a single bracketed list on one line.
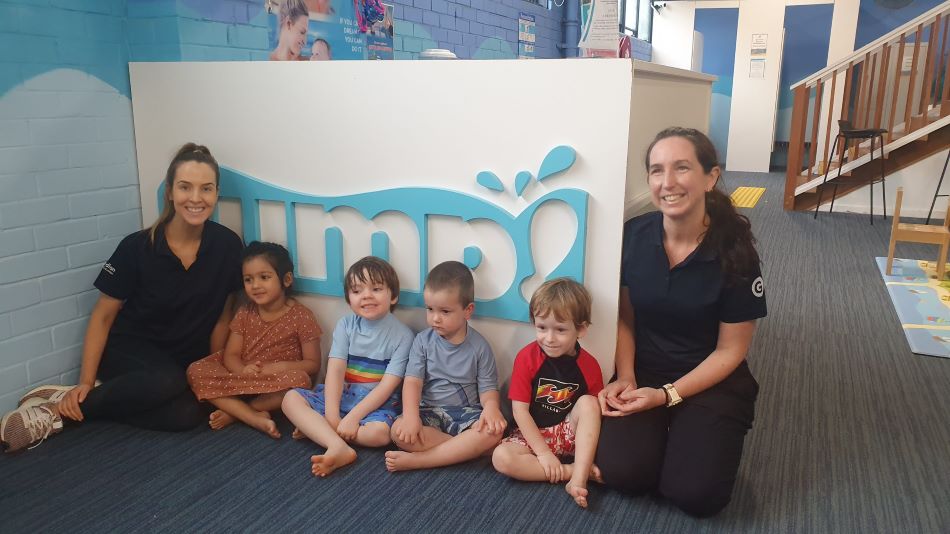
[(796, 143)]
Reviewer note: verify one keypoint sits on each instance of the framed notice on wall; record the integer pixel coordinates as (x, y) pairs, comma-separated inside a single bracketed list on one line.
[(526, 36), (760, 42)]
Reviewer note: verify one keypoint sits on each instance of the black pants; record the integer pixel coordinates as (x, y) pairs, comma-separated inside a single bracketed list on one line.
[(688, 453), (143, 386)]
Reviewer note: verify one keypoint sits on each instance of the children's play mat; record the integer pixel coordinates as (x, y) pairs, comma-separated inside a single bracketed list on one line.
[(922, 304)]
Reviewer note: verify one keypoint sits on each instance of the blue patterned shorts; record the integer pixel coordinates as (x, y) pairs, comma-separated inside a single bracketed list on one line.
[(452, 420), (352, 395)]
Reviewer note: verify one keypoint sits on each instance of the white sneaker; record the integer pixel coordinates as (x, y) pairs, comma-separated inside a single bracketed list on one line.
[(49, 393), (28, 426)]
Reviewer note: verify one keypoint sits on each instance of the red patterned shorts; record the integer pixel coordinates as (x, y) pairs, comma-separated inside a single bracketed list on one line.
[(560, 438)]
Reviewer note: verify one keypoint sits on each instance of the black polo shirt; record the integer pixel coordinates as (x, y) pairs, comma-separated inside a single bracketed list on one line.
[(678, 311), (174, 308)]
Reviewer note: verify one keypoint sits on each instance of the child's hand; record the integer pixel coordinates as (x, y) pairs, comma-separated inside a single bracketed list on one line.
[(410, 431), (252, 368), (552, 467), (491, 421), (347, 428), (272, 368), (334, 420)]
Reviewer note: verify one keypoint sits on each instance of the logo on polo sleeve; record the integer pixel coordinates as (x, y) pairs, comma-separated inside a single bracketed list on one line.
[(758, 287), (108, 268)]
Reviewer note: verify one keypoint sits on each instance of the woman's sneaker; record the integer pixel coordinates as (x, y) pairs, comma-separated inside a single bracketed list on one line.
[(49, 393), (29, 425)]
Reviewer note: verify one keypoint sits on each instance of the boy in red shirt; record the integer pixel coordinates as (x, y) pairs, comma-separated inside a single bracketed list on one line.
[(554, 386)]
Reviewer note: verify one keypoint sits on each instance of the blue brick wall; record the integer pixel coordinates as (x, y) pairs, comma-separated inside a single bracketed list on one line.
[(472, 29), (68, 181), (68, 178)]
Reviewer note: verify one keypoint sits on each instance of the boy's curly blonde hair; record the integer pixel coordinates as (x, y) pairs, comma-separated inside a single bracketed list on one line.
[(565, 298)]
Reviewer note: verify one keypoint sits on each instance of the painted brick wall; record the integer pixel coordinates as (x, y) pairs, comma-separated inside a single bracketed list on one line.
[(237, 29), (68, 178), (68, 182), (472, 29)]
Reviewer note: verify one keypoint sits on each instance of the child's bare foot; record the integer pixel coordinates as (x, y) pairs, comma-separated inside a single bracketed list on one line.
[(567, 472), (596, 475), (324, 464), (265, 424), (219, 419), (400, 461), (297, 434), (578, 492)]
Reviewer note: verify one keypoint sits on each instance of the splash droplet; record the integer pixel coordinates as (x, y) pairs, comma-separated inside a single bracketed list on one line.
[(488, 180), (521, 182), (560, 158)]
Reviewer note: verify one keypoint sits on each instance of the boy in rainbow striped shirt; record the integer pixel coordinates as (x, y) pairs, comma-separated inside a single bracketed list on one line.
[(359, 399)]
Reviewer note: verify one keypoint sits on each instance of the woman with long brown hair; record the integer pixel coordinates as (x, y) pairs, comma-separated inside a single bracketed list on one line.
[(165, 300), (683, 398)]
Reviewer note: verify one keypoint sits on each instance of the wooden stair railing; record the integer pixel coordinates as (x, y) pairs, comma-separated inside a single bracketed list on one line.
[(874, 87)]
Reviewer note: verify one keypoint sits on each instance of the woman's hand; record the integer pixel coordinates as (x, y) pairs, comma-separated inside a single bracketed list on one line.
[(610, 397), (69, 406), (640, 400), (252, 368)]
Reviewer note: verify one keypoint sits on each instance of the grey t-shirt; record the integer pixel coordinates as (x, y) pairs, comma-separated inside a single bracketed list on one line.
[(452, 375)]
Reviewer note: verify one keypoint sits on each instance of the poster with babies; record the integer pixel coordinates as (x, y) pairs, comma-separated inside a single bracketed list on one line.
[(320, 30)]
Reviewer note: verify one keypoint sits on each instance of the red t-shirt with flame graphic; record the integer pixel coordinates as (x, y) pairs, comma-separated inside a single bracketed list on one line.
[(552, 385)]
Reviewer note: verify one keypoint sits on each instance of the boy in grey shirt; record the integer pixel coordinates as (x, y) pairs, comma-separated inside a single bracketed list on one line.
[(451, 384)]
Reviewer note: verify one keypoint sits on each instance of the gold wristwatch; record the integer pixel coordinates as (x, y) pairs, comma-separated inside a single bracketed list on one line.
[(672, 396)]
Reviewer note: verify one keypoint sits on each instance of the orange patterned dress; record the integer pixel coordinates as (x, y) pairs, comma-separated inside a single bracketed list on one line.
[(267, 342)]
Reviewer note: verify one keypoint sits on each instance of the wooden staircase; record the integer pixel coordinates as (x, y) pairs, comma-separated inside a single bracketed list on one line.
[(898, 82)]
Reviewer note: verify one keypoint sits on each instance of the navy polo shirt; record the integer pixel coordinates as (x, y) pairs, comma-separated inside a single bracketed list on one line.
[(174, 308), (678, 311)]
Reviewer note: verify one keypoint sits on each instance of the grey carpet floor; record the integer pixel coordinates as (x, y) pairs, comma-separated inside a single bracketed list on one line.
[(852, 434)]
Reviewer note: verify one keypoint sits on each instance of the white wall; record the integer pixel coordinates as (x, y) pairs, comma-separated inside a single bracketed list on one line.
[(673, 34), (437, 125), (752, 123), (662, 97)]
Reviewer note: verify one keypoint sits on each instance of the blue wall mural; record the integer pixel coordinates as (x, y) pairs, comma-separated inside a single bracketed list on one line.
[(719, 27), (878, 17), (807, 35)]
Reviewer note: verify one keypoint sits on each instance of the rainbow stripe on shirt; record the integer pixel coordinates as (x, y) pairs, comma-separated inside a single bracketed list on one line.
[(360, 370)]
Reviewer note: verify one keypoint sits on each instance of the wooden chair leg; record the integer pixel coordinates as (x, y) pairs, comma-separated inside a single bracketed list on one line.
[(942, 261), (890, 255)]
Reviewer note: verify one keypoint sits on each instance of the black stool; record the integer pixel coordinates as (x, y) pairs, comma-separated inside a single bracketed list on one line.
[(847, 132), (937, 191)]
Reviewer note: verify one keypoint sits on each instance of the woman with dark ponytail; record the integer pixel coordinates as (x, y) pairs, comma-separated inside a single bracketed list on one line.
[(683, 398), (166, 297)]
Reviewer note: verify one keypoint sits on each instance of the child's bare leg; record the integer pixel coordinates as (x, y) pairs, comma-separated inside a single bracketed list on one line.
[(268, 402), (243, 412), (430, 437), (315, 426), (468, 445), (518, 462), (373, 434), (585, 418)]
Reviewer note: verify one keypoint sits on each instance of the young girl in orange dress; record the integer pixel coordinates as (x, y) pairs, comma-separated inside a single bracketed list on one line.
[(273, 346)]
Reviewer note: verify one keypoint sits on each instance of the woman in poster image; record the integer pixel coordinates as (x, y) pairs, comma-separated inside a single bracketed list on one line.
[(292, 20)]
